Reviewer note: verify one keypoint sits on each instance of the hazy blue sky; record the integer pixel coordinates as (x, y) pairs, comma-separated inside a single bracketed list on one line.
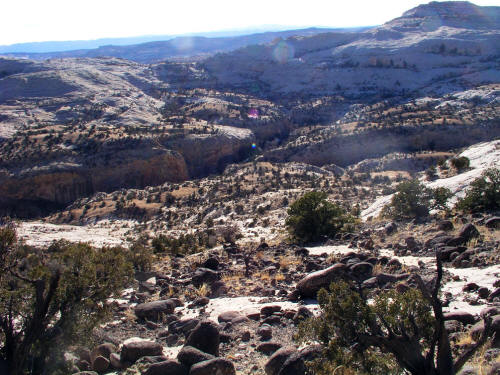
[(42, 20)]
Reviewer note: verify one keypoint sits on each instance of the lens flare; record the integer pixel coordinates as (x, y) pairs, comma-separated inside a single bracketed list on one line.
[(254, 145), (253, 113)]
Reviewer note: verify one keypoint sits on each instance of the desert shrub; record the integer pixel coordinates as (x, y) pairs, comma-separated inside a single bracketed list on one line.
[(483, 193), (182, 245), (347, 322), (387, 332), (413, 200), (440, 197), (140, 253), (312, 217), (52, 298), (460, 163), (431, 173)]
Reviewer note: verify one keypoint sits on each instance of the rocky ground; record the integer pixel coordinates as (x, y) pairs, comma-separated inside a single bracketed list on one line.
[(243, 304)]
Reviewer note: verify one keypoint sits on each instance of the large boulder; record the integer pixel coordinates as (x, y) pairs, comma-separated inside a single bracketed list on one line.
[(312, 283), (189, 356), (206, 337), (276, 361), (167, 368), (461, 316), (216, 366), (295, 364), (132, 351), (468, 232), (154, 310)]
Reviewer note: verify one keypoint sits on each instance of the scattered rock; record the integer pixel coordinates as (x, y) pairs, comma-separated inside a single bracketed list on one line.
[(265, 333)]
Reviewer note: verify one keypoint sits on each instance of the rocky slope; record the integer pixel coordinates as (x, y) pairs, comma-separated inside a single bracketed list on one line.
[(425, 82)]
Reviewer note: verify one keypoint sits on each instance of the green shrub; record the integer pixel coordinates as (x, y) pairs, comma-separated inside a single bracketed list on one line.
[(347, 324), (460, 163), (52, 298), (413, 200), (387, 332), (483, 193), (312, 217)]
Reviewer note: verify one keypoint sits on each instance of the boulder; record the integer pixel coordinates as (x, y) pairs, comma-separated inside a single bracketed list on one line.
[(216, 366), (461, 316), (205, 337), (134, 350), (269, 310), (478, 328), (169, 367), (184, 326), (265, 332), (445, 225), (276, 361), (227, 316), (204, 276), (211, 263), (115, 362), (189, 356), (154, 310), (103, 350), (493, 222), (295, 364), (468, 232), (312, 283), (100, 364), (268, 347), (494, 294), (362, 270)]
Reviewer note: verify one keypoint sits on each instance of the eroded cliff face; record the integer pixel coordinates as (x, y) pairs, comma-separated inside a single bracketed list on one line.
[(37, 190), (350, 149), (205, 154), (38, 193)]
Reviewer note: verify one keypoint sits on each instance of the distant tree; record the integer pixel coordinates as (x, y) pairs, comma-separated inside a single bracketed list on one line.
[(52, 298), (312, 216), (460, 163)]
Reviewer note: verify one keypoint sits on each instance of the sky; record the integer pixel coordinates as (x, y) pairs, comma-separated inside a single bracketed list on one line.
[(52, 20)]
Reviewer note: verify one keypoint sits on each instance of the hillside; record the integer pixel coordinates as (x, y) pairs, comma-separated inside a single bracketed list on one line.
[(418, 83), (189, 216), (178, 47)]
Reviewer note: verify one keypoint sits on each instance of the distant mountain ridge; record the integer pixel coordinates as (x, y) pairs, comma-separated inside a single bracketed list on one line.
[(156, 48)]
